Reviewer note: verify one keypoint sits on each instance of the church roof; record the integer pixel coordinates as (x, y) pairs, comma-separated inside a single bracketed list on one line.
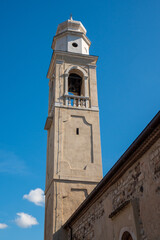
[(149, 135)]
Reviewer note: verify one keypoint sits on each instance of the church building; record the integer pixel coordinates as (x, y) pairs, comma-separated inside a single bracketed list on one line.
[(79, 204)]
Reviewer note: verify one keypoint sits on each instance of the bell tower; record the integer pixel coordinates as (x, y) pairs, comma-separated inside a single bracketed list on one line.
[(73, 146)]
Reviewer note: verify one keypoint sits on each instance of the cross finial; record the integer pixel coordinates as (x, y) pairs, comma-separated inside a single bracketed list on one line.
[(71, 17)]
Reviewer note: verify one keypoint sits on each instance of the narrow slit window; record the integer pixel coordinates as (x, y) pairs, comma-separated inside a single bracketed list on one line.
[(77, 131)]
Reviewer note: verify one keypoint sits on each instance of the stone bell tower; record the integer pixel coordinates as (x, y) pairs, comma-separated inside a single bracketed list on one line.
[(73, 147)]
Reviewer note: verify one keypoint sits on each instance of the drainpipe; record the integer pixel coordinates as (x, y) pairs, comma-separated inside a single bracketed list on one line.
[(70, 232)]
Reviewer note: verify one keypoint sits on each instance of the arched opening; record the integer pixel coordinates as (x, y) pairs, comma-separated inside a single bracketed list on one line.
[(76, 87), (74, 84), (126, 236)]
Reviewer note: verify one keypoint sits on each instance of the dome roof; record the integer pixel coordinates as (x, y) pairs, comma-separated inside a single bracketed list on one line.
[(71, 25)]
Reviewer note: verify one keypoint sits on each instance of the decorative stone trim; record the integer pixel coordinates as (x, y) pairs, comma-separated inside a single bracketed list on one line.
[(115, 212)]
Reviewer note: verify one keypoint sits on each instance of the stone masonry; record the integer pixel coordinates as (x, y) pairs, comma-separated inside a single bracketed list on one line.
[(130, 202)]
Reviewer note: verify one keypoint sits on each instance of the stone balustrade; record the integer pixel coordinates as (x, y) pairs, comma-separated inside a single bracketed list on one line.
[(76, 101)]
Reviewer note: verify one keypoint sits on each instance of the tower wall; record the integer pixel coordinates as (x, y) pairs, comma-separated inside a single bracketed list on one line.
[(73, 147)]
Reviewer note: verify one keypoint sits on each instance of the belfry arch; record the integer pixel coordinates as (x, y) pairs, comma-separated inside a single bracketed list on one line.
[(75, 84), (77, 72)]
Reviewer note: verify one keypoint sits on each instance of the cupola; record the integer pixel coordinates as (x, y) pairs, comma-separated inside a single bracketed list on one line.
[(71, 37)]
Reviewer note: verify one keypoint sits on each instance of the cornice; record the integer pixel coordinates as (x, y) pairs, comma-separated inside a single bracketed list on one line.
[(73, 181), (58, 55), (75, 55)]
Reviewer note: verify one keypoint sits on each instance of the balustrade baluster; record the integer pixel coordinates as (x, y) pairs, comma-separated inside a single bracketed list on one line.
[(79, 102), (69, 101), (66, 101), (74, 102), (84, 103)]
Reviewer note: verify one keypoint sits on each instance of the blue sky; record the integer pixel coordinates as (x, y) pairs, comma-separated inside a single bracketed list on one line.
[(125, 35)]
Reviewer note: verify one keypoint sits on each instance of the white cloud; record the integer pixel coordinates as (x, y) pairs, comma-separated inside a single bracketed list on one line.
[(36, 196), (25, 220), (3, 225)]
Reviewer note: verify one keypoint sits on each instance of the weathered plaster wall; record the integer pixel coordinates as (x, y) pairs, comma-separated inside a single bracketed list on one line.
[(77, 156)]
